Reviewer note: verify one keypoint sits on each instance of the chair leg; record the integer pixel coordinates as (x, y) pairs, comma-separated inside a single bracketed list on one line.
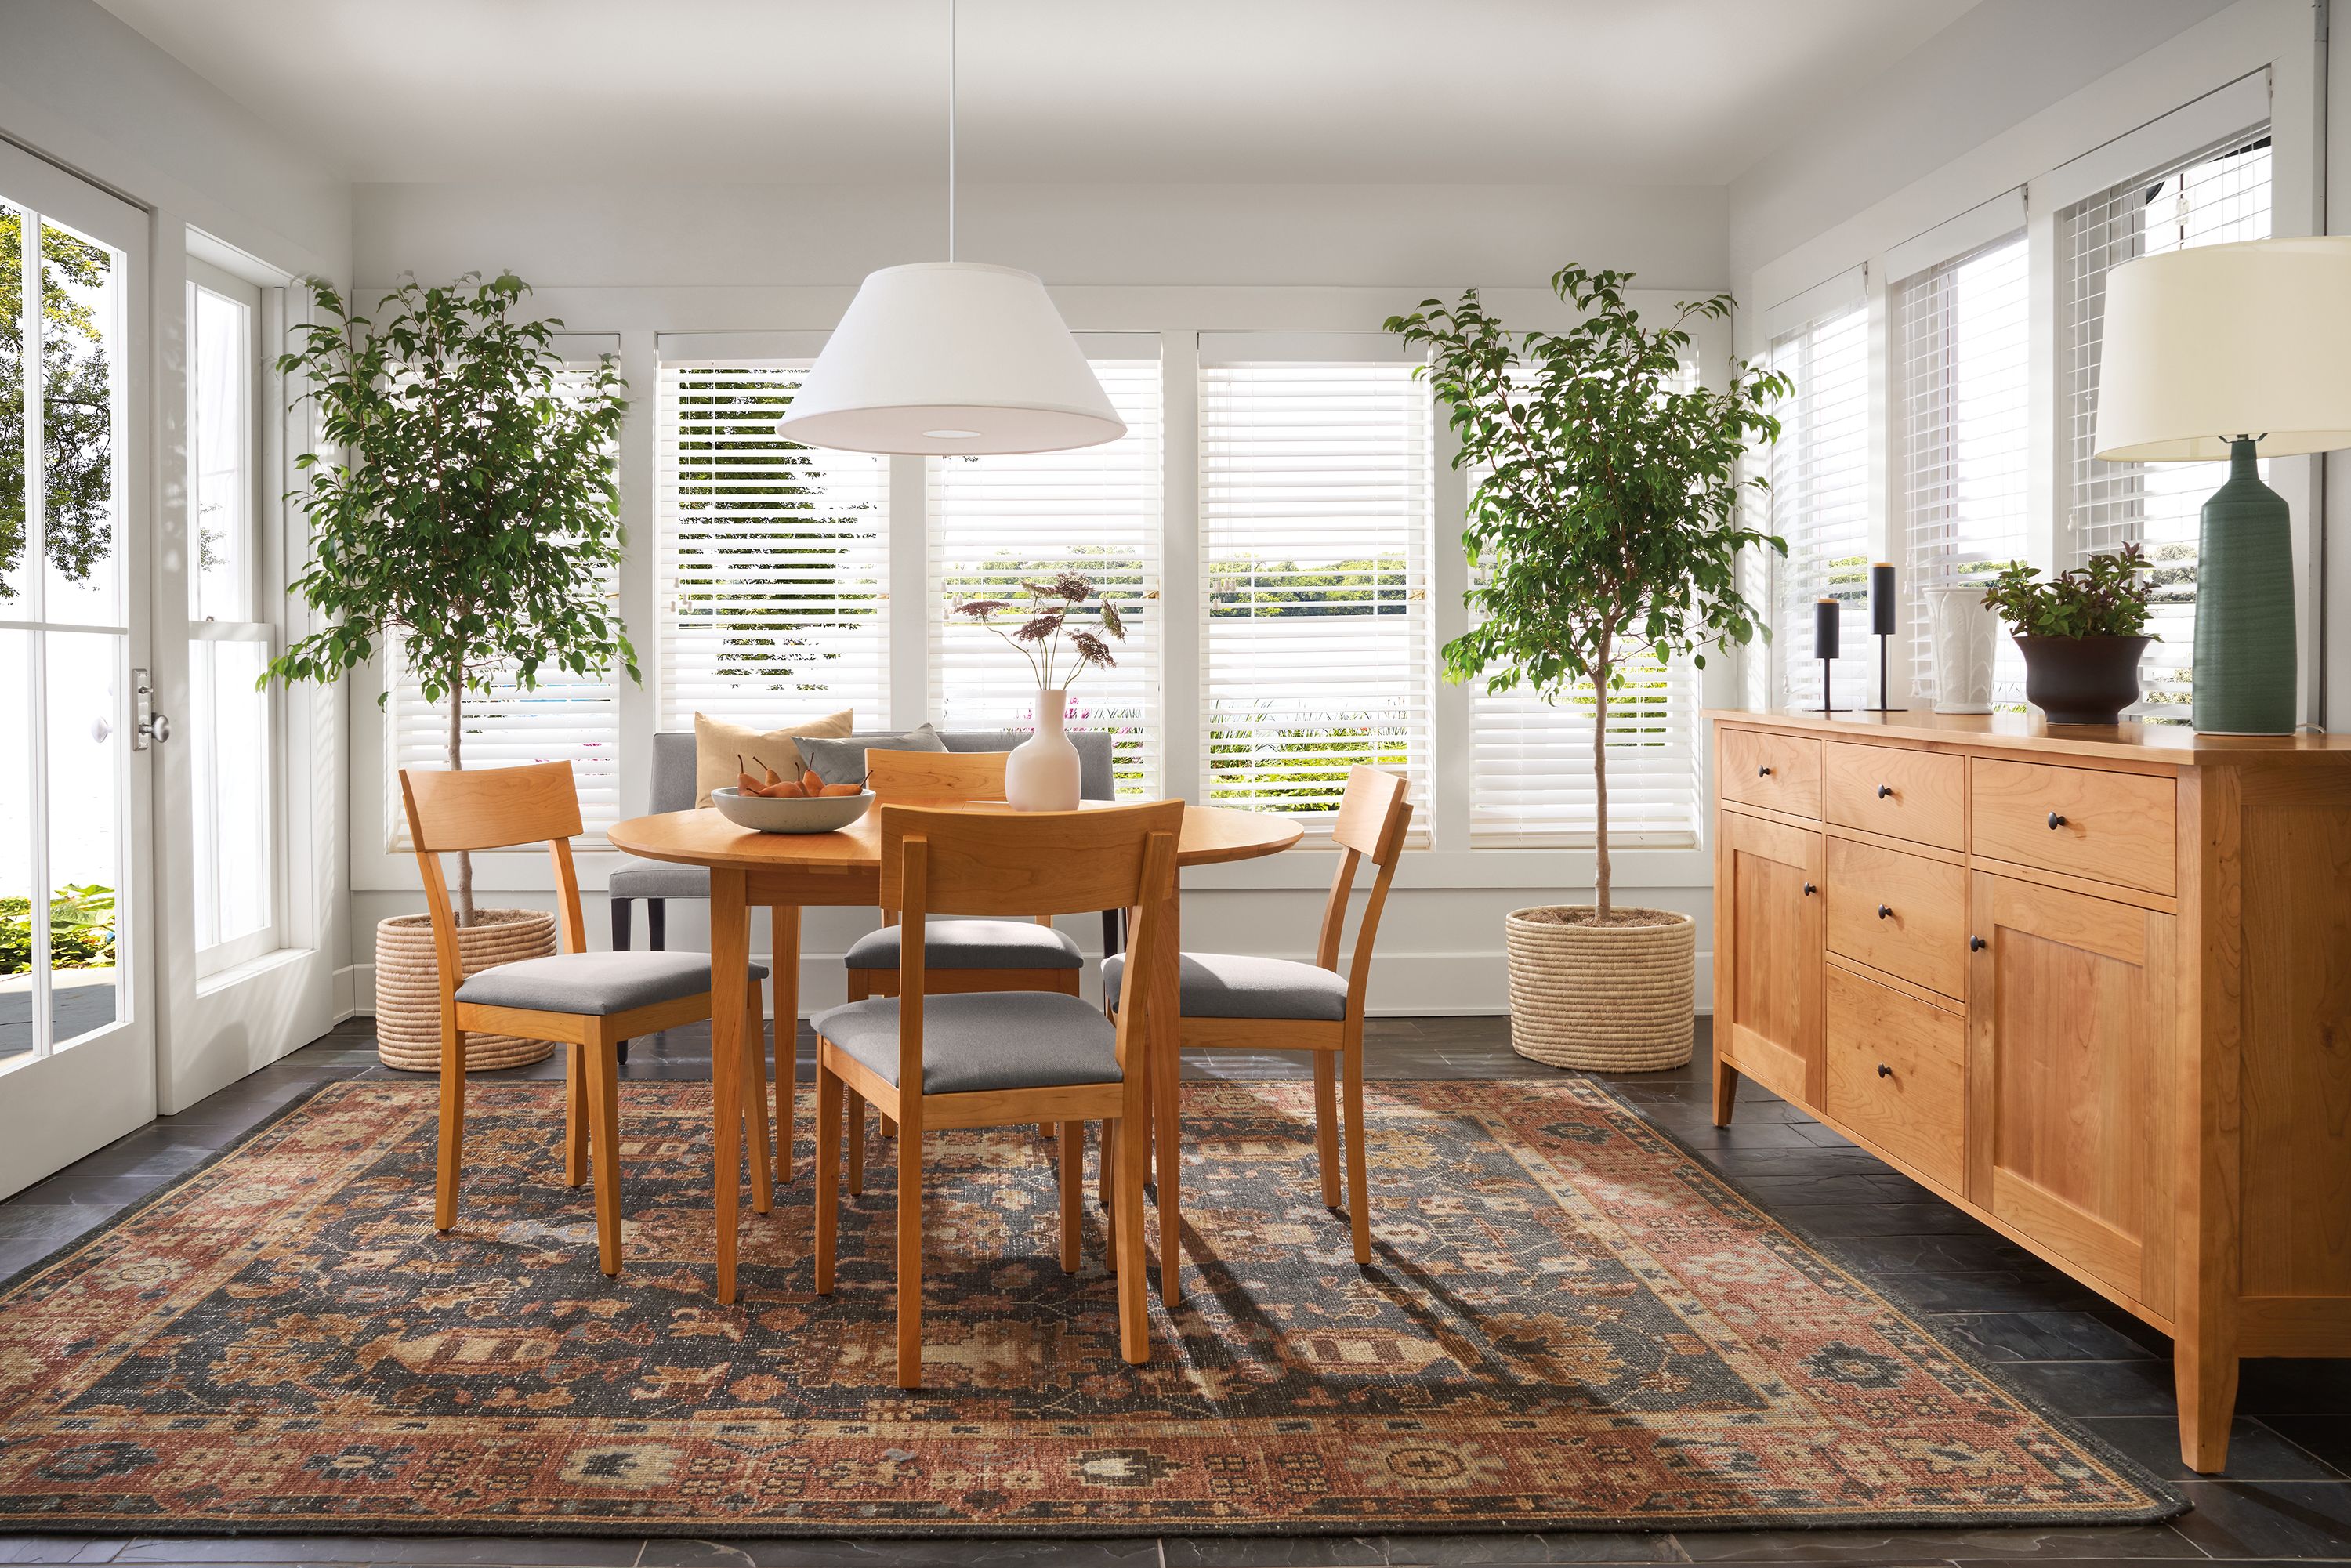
[(604, 1134), (575, 1114), (1326, 1124), (1133, 1285), (755, 1106), (1358, 1200), (1072, 1185), (827, 1171), (621, 908), (853, 1104), (910, 1258), (657, 924), (1108, 1184), (453, 1123)]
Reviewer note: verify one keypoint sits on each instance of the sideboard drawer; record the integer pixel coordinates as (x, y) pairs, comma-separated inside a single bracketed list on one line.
[(2113, 827), (1781, 772), (1917, 795), (1897, 1075), (1903, 914)]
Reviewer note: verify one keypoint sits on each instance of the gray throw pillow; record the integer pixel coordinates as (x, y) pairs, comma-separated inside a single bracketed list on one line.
[(844, 761)]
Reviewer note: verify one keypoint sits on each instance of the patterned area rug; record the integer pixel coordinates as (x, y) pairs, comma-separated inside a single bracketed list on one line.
[(1571, 1323)]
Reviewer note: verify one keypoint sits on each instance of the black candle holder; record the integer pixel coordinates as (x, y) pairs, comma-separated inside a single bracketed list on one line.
[(1827, 627), (1882, 616)]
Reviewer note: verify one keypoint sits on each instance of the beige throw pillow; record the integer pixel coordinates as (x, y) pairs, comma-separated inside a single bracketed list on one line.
[(717, 743)]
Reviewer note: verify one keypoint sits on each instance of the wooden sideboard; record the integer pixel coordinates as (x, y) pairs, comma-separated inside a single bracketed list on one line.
[(2091, 984)]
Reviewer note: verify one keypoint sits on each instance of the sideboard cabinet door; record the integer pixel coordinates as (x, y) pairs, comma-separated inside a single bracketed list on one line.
[(1768, 945), (2073, 1037)]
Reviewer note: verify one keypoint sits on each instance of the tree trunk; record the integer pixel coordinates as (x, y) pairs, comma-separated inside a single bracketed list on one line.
[(1600, 868), (457, 763)]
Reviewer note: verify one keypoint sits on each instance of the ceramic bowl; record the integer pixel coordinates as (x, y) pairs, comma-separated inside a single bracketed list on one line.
[(765, 814)]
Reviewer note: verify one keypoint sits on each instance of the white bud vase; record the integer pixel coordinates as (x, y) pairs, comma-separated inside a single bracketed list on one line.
[(1041, 774)]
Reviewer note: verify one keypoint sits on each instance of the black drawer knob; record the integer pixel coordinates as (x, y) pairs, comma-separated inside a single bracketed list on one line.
[(1884, 913), (1884, 791), (1810, 890), (2056, 820), (1764, 771), (1884, 1070), (1976, 944)]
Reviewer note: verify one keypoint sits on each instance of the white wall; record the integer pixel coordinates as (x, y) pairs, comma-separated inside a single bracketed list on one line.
[(86, 92), (635, 260)]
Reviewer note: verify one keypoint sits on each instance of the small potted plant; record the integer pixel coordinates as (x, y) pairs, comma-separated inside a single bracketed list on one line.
[(1041, 773), (2082, 633), (1607, 534), (464, 513)]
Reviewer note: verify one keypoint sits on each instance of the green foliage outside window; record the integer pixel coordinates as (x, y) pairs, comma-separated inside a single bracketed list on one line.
[(77, 407)]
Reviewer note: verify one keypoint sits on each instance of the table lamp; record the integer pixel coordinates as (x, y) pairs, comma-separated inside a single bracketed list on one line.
[(2227, 350)]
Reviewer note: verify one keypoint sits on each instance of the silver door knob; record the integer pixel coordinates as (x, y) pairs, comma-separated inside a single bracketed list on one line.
[(156, 728)]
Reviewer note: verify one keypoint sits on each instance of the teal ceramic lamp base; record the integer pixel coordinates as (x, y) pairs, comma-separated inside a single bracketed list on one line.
[(2243, 679)]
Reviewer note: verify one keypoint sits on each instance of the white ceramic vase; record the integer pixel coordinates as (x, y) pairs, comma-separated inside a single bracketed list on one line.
[(1041, 773), (1965, 636)]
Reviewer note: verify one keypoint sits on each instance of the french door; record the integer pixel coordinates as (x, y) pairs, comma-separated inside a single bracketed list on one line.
[(77, 972)]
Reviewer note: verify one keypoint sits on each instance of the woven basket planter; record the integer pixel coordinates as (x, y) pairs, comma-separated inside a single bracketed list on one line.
[(1602, 998), (408, 987)]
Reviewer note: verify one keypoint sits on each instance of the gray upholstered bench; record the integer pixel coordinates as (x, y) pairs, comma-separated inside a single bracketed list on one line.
[(657, 882)]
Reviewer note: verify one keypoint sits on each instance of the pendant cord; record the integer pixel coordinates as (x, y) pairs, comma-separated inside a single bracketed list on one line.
[(950, 128)]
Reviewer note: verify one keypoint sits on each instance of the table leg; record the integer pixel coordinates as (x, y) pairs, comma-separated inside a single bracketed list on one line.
[(1167, 1086), (730, 960), (784, 922)]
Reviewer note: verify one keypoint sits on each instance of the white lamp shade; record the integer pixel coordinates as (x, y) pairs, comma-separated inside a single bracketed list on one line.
[(2224, 340), (948, 357)]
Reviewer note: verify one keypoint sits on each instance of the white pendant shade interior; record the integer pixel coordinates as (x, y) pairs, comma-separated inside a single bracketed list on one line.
[(2252, 339), (942, 357)]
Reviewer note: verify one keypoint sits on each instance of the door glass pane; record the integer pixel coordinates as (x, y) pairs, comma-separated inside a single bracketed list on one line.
[(81, 304), (220, 446), (85, 811), (16, 918), (229, 733), (12, 413)]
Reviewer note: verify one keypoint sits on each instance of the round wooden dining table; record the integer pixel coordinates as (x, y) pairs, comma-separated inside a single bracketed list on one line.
[(789, 871)]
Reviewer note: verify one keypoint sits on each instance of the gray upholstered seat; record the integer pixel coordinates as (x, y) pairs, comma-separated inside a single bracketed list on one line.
[(1236, 985), (635, 878), (972, 945), (596, 985), (984, 1039)]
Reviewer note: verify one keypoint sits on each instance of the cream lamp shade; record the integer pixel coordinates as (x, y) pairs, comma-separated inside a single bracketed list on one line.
[(2225, 341), (942, 357)]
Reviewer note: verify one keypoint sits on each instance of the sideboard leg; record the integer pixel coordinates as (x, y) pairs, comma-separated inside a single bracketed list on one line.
[(1726, 1090), (2206, 1379)]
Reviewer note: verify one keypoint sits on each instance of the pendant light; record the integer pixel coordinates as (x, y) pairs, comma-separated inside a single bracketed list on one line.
[(942, 357)]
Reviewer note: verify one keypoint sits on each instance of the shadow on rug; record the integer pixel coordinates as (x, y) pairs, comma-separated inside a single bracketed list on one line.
[(1570, 1324)]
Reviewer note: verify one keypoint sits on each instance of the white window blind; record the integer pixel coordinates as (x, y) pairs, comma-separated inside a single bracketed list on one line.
[(1962, 379), (1316, 497), (2213, 198), (1531, 773), (563, 717), (773, 559), (1820, 504), (1095, 511)]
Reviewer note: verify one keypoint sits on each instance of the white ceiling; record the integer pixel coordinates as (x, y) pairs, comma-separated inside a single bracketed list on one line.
[(1407, 91)]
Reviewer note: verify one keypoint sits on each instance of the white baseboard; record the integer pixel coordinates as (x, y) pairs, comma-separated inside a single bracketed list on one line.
[(1409, 985)]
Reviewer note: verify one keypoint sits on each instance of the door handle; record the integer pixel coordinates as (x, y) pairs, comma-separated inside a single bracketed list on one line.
[(1810, 890), (1764, 771), (1884, 1070), (1884, 791), (156, 728), (1976, 944), (2056, 820), (1884, 913)]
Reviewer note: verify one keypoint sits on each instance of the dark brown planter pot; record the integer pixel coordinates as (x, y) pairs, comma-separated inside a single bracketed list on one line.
[(2081, 680)]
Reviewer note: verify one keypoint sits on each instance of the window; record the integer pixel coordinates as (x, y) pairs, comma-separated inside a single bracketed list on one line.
[(1819, 504), (231, 730), (2218, 195), (1531, 775), (1316, 501), (773, 568), (1965, 399), (563, 717), (993, 521)]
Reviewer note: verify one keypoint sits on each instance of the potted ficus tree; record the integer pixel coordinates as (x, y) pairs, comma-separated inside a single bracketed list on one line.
[(1604, 536), (464, 519)]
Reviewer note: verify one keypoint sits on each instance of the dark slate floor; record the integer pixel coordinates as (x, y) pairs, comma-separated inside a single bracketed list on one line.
[(2287, 1496)]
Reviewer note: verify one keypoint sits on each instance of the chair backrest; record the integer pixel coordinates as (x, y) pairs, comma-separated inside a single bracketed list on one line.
[(454, 810), (1372, 818), (673, 776), (934, 778), (1021, 863)]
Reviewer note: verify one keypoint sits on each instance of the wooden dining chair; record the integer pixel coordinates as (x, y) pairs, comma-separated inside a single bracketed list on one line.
[(589, 1001), (1237, 1001), (958, 955), (997, 1057)]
